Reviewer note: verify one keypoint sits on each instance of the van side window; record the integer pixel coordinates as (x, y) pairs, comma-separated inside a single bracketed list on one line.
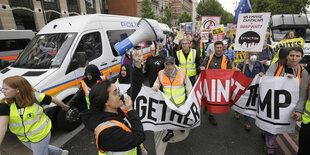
[(13, 44), (91, 45), (116, 36)]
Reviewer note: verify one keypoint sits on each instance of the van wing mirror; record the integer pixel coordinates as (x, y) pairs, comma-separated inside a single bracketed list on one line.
[(81, 58)]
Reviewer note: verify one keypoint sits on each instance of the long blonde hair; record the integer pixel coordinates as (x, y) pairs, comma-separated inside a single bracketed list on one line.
[(25, 97)]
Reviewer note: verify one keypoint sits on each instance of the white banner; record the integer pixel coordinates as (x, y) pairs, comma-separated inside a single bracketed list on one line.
[(271, 101), (251, 31), (279, 96), (157, 115), (247, 103)]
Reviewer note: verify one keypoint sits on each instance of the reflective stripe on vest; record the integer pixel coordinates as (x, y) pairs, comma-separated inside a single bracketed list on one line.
[(188, 64), (223, 63), (34, 126), (278, 72), (306, 114), (176, 90), (86, 90), (109, 124), (201, 47)]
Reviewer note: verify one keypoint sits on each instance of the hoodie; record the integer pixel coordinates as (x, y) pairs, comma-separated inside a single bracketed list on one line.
[(78, 100)]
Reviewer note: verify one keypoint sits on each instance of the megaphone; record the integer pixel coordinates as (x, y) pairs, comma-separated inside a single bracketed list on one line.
[(144, 32)]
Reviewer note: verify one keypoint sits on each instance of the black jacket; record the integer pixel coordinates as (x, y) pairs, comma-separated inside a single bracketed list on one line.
[(78, 100), (153, 65), (115, 138)]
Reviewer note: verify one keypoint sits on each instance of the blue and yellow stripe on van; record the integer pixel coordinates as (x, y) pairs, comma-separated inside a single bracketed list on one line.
[(54, 90)]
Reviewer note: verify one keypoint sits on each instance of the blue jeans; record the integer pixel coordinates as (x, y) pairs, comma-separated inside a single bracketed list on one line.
[(42, 147), (246, 119)]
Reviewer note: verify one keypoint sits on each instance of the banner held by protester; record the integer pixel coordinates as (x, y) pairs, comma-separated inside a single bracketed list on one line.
[(156, 115), (251, 31)]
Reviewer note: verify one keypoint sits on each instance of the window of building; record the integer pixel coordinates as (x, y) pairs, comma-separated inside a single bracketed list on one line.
[(104, 6), (89, 4), (74, 7), (24, 20), (50, 1), (51, 16), (90, 7), (90, 44), (115, 36)]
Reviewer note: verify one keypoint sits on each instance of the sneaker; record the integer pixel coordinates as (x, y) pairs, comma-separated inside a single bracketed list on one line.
[(237, 115), (247, 126), (212, 120), (64, 152), (168, 136)]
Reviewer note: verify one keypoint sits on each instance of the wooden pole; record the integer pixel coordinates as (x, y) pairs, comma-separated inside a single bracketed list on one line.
[(244, 62)]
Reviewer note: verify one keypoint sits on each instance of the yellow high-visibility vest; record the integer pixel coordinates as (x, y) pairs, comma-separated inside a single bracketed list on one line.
[(188, 64), (34, 125)]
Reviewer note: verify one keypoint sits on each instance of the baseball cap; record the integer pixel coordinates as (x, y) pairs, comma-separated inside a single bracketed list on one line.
[(196, 35), (170, 59)]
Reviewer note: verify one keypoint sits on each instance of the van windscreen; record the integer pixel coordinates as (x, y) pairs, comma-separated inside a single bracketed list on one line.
[(45, 51)]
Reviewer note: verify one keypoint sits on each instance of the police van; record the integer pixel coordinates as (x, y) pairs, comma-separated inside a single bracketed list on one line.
[(54, 61), (12, 43)]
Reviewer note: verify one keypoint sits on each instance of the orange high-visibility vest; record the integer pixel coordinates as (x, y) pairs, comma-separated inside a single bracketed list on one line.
[(106, 125), (223, 64), (279, 70), (176, 89)]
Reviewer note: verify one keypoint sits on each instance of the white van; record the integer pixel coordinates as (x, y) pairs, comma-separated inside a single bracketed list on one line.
[(12, 43), (54, 61)]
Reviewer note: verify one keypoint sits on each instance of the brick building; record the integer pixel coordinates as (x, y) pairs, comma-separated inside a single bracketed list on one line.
[(157, 5), (34, 14), (180, 6), (123, 7)]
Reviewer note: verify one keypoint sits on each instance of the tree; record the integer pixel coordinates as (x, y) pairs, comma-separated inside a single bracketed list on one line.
[(146, 9), (213, 8), (168, 16), (279, 6), (185, 17)]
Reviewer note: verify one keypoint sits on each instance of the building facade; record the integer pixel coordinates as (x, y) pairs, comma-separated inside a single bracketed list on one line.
[(180, 6), (34, 14), (158, 7), (123, 7)]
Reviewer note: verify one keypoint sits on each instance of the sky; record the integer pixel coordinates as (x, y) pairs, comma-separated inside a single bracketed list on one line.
[(229, 5)]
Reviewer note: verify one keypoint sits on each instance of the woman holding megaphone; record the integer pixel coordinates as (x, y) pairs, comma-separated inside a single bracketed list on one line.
[(111, 113)]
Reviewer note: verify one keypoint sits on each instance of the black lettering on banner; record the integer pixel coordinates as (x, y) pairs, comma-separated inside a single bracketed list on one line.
[(142, 114), (299, 43), (253, 95), (194, 110), (290, 44), (277, 104), (164, 110), (266, 102), (185, 122), (173, 113), (151, 109)]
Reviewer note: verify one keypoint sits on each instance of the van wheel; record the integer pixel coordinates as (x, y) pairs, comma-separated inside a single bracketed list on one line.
[(68, 120)]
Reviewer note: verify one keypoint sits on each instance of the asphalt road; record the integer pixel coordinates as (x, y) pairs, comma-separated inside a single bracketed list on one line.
[(227, 138)]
